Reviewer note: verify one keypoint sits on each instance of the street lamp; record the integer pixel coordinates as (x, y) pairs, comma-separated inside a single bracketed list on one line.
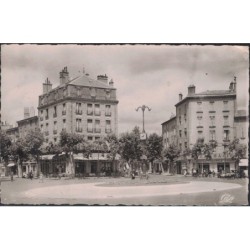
[(143, 108)]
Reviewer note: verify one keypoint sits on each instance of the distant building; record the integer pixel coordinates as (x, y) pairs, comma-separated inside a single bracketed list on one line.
[(169, 132), (13, 133), (5, 126), (211, 116), (26, 125), (82, 105)]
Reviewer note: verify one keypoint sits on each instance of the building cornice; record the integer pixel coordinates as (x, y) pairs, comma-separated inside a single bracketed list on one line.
[(205, 97), (76, 99)]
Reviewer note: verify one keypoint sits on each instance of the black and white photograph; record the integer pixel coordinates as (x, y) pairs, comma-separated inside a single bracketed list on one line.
[(124, 124)]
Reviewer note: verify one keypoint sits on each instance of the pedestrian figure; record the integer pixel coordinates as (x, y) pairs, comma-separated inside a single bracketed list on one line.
[(31, 175), (11, 176), (41, 177)]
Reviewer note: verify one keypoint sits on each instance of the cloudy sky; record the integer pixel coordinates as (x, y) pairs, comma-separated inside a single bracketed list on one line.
[(142, 74)]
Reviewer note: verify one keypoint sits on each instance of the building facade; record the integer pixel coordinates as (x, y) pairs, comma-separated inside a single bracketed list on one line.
[(211, 116), (169, 132), (26, 125), (82, 105)]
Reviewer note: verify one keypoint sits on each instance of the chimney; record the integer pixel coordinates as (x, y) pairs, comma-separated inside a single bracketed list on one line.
[(180, 97), (47, 86), (64, 76), (111, 83), (191, 89), (103, 78), (26, 113)]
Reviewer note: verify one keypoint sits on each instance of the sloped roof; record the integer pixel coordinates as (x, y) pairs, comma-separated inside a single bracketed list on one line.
[(87, 81)]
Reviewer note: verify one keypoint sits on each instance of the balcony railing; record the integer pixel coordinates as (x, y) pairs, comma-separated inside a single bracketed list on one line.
[(90, 130), (98, 113), (79, 112), (97, 130), (89, 112), (64, 112), (108, 130), (55, 115), (55, 131), (107, 113), (79, 130)]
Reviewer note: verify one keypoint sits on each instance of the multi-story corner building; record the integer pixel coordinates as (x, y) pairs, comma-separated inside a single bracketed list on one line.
[(82, 105), (212, 116)]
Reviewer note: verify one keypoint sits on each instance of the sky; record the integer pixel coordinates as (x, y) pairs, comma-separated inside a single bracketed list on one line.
[(151, 75)]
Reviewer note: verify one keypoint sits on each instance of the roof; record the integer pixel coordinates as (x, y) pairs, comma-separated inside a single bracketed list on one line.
[(208, 93), (28, 119), (87, 81), (170, 119)]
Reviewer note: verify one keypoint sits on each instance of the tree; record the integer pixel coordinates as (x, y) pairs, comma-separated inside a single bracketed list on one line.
[(5, 146), (237, 151), (203, 149), (34, 141), (153, 147), (20, 153), (130, 146), (70, 143), (171, 153), (113, 148)]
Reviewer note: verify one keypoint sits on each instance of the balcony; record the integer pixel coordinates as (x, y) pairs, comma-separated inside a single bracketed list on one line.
[(108, 130), (79, 130), (46, 133), (79, 112), (55, 131), (55, 115), (90, 130), (108, 114), (89, 112), (97, 113), (226, 141), (97, 130), (64, 112), (47, 117)]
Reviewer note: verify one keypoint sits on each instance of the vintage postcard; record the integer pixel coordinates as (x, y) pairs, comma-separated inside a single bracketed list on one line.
[(124, 124)]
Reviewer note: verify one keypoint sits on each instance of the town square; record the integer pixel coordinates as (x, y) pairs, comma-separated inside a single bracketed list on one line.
[(109, 126)]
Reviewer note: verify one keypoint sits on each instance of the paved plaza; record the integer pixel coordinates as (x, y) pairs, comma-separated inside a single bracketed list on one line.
[(157, 190)]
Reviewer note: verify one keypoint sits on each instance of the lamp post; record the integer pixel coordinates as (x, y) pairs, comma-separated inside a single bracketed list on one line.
[(143, 108)]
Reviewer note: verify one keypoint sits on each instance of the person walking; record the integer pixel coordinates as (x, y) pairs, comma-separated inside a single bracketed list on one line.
[(31, 175), (11, 175), (41, 177)]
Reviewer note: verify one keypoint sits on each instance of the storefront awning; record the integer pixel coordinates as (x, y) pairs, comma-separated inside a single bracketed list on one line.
[(11, 164), (243, 163), (47, 157)]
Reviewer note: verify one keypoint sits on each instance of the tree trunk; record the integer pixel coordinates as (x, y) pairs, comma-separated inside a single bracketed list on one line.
[(19, 168), (70, 166)]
